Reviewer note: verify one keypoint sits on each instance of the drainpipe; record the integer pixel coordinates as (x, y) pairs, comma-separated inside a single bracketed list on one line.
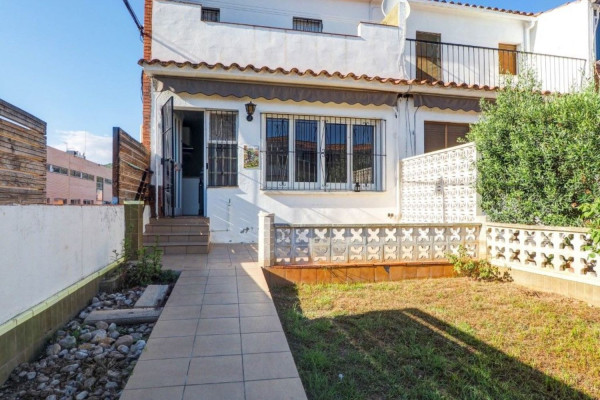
[(528, 45)]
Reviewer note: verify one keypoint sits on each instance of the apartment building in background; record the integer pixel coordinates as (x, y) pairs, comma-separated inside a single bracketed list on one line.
[(73, 180)]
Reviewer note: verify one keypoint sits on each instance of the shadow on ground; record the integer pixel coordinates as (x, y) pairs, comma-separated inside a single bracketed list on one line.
[(404, 354)]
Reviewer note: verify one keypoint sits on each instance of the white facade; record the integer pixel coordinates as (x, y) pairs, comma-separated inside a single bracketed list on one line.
[(255, 44)]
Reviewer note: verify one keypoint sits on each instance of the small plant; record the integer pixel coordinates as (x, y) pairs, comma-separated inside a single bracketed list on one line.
[(481, 270), (148, 269), (591, 215)]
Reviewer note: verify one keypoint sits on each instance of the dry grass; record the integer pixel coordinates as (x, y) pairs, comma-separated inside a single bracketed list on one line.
[(441, 339)]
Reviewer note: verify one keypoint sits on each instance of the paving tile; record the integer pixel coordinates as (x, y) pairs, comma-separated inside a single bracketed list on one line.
[(264, 342), (161, 348), (269, 366), (221, 298), (278, 389), (226, 288), (162, 393), (218, 369), (217, 391), (181, 327), (218, 326), (180, 312), (217, 345), (221, 272), (260, 324), (221, 280), (246, 298), (252, 288), (185, 300), (159, 373), (220, 311), (194, 273), (188, 289), (257, 309), (192, 280)]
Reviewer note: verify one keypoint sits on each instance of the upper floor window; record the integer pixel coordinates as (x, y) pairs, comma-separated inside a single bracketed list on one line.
[(442, 135), (57, 169), (211, 14), (323, 153), (308, 24), (507, 57)]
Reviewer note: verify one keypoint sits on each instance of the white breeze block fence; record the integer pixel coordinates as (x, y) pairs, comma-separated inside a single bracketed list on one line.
[(439, 187), (551, 251), (45, 249)]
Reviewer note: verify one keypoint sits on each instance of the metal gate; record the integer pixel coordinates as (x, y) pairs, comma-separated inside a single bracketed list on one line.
[(168, 162)]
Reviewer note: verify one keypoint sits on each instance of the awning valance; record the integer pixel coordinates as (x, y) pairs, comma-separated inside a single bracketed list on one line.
[(256, 90), (448, 102)]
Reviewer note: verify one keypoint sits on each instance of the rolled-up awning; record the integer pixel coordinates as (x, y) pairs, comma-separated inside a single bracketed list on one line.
[(448, 102), (280, 92)]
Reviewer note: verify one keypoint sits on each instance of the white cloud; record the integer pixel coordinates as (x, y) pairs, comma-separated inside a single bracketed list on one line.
[(96, 148)]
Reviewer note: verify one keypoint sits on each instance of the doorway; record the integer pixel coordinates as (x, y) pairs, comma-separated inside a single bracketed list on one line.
[(192, 163)]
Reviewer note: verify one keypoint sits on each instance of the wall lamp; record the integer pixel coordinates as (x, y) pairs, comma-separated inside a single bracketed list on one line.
[(250, 108)]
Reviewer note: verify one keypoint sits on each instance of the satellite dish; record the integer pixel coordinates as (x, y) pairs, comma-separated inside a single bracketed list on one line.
[(388, 5)]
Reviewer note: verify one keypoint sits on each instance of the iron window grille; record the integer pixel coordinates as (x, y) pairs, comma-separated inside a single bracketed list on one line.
[(222, 149), (302, 152), (307, 24), (211, 14)]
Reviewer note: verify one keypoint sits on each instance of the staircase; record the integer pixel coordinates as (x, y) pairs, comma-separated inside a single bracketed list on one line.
[(181, 235)]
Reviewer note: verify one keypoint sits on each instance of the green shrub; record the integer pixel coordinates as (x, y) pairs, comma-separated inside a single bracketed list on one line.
[(591, 215), (481, 270), (148, 269), (539, 154)]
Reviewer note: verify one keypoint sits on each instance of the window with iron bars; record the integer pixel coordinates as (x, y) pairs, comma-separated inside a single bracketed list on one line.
[(211, 14), (222, 149), (307, 24), (301, 152)]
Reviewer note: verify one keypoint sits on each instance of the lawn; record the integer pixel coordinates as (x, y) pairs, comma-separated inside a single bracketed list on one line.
[(440, 339)]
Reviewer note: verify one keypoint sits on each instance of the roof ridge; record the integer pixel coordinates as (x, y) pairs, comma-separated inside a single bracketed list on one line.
[(489, 8)]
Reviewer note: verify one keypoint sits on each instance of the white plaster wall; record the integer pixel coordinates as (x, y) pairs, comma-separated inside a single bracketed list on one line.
[(179, 34), (566, 31), (45, 249), (338, 16)]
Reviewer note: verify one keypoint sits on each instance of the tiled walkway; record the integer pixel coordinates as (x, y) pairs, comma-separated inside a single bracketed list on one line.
[(218, 336)]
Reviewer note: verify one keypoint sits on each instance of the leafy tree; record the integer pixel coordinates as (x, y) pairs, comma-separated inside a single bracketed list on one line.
[(539, 154)]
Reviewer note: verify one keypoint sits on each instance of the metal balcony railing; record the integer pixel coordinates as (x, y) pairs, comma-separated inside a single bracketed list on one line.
[(486, 66)]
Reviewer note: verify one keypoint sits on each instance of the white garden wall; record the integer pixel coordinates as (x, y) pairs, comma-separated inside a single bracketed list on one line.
[(45, 249)]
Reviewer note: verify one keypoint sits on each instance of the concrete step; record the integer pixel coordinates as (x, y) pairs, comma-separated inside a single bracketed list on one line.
[(181, 221), (128, 316), (153, 296), (170, 248), (193, 229), (151, 238)]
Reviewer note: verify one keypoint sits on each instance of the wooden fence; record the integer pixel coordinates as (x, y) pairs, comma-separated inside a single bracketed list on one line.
[(22, 157), (131, 168)]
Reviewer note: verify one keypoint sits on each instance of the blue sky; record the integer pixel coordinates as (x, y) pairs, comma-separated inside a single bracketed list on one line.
[(73, 63)]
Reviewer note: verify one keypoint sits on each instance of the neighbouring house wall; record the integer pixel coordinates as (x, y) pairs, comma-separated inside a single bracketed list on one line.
[(565, 31), (46, 249), (180, 35), (464, 26), (69, 187)]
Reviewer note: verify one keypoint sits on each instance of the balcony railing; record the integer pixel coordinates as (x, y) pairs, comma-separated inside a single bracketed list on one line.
[(486, 66)]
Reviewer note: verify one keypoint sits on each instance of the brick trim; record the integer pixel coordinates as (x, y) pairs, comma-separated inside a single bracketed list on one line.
[(146, 89)]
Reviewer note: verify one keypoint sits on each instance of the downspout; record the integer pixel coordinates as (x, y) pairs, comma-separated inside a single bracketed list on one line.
[(528, 29)]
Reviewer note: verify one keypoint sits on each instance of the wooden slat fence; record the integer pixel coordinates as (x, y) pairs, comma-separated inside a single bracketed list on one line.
[(22, 156), (131, 168)]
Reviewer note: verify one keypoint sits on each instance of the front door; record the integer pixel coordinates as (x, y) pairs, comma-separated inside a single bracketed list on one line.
[(168, 159)]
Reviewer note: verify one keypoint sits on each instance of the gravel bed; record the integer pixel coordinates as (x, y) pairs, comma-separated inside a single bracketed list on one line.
[(83, 361)]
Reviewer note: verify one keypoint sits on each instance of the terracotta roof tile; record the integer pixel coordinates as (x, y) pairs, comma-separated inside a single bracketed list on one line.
[(309, 72), (516, 12)]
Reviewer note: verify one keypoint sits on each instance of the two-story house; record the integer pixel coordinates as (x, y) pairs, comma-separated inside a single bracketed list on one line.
[(305, 108)]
